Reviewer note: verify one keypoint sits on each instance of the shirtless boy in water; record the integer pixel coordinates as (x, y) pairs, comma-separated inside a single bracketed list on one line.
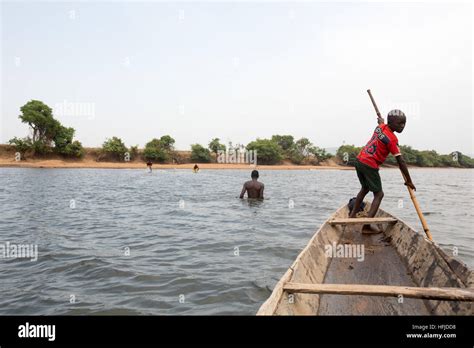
[(253, 187)]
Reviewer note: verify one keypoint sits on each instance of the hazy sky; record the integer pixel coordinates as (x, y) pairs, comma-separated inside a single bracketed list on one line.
[(241, 71)]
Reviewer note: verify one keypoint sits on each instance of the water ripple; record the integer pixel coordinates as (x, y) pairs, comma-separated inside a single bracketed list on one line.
[(125, 242)]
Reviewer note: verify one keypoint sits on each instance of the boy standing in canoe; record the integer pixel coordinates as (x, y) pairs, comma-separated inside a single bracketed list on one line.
[(372, 155)]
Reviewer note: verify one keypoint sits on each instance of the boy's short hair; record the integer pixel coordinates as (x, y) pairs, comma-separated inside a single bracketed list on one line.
[(394, 114), (254, 174)]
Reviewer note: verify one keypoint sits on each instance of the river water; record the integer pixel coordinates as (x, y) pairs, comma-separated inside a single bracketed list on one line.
[(174, 242)]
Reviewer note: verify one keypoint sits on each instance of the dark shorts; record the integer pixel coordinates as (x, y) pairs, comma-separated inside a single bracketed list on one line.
[(369, 177)]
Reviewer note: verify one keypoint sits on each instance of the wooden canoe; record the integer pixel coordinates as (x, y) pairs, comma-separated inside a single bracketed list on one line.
[(402, 273)]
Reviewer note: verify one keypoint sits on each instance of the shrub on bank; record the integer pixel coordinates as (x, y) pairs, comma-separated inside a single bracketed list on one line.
[(347, 154), (159, 150), (113, 148), (268, 151), (215, 146), (200, 154)]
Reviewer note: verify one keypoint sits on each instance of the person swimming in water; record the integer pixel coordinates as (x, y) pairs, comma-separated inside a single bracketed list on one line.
[(149, 164), (253, 187)]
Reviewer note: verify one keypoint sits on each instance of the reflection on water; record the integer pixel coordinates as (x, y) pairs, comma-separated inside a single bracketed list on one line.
[(174, 242)]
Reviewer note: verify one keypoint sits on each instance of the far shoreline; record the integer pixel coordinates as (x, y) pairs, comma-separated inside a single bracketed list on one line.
[(88, 164), (58, 164), (93, 159)]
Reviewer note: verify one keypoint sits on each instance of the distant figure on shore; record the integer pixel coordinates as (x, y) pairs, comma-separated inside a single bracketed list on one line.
[(253, 187), (149, 164), (196, 168)]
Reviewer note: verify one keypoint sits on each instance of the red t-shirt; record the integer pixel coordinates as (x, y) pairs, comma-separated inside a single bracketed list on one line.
[(379, 146)]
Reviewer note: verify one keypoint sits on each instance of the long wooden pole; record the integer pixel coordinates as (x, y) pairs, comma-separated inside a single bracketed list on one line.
[(418, 211), (410, 190), (373, 103), (445, 294)]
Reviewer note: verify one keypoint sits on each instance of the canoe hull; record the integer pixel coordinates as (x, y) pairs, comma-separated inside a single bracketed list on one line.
[(399, 256)]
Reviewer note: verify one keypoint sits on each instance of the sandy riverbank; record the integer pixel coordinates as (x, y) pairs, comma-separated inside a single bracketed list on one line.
[(55, 163), (90, 160), (91, 163), (7, 159)]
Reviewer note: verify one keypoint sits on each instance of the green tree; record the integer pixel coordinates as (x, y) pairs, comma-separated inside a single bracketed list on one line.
[(319, 153), (348, 153), (64, 145), (303, 145), (430, 158), (295, 156), (73, 149), (304, 151), (268, 151), (167, 143), (133, 152), (155, 151), (39, 117), (45, 131), (63, 137), (114, 148), (299, 151), (40, 148), (160, 150), (200, 154), (215, 146), (21, 145), (449, 161), (463, 160), (286, 142)]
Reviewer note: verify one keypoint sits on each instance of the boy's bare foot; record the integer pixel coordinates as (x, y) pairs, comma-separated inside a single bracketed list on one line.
[(370, 229)]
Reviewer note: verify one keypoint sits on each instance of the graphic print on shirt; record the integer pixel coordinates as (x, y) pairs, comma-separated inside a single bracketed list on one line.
[(371, 146), (382, 142)]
